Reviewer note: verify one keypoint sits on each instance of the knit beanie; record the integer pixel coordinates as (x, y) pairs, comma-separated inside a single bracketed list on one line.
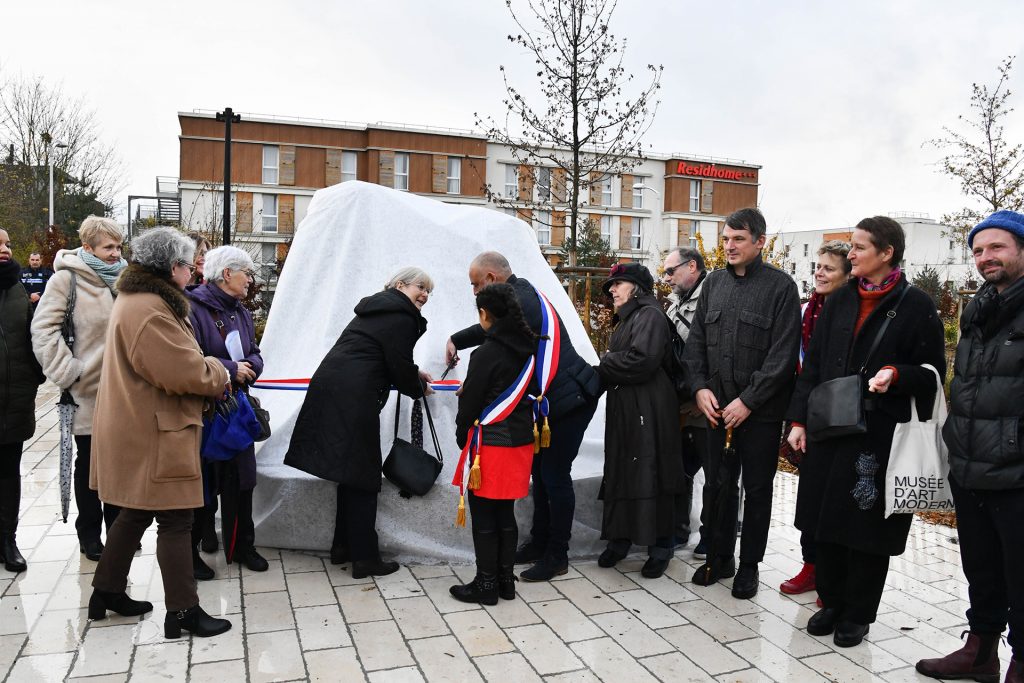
[(1011, 221)]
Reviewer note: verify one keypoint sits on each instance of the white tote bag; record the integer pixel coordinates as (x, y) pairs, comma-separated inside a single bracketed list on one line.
[(917, 476)]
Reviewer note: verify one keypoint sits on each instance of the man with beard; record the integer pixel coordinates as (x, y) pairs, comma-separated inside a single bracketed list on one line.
[(986, 462)]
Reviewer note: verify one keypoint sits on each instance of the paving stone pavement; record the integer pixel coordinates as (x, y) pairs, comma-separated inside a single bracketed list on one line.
[(306, 619)]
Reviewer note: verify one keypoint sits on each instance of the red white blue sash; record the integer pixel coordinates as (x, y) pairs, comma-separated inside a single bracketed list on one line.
[(548, 349)]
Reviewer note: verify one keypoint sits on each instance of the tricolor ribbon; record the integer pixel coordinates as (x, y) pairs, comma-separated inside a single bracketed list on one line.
[(282, 384), (548, 349), (499, 409)]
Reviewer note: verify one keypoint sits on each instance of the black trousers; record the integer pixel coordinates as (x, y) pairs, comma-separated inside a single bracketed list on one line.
[(554, 499), (173, 534), (850, 581), (355, 524), (989, 525), (93, 515), (237, 528), (695, 456), (756, 446), (808, 547)]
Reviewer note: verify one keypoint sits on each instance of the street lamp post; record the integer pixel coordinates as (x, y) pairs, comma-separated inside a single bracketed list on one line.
[(228, 117), (642, 187), (50, 144)]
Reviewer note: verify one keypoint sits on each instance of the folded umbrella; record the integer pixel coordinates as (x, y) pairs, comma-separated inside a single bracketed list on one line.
[(722, 484), (66, 408)]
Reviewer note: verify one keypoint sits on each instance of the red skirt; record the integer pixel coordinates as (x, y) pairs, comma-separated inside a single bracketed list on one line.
[(504, 471)]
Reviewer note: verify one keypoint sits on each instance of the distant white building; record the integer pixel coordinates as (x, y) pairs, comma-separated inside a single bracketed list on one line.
[(927, 246)]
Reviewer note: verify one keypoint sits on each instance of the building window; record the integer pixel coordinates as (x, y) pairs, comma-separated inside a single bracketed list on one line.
[(348, 166), (269, 213), (695, 196), (606, 191), (270, 164), (813, 266), (511, 181), (693, 242), (634, 238), (803, 285), (543, 184), (542, 224), (638, 194), (454, 175), (807, 250), (792, 268), (402, 171), (606, 230)]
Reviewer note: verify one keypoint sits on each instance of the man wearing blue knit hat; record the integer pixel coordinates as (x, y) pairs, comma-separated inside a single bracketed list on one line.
[(986, 457)]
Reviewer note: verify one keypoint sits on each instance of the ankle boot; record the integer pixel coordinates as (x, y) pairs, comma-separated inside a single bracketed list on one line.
[(194, 620), (482, 590), (209, 534), (1015, 674), (977, 659), (803, 582), (507, 539), (101, 601), (200, 569), (10, 501)]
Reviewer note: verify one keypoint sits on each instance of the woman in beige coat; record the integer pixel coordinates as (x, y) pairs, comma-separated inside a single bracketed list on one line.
[(146, 431), (92, 269)]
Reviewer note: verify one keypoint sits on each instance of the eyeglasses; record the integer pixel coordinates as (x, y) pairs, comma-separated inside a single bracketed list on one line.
[(250, 273), (191, 266), (671, 270)]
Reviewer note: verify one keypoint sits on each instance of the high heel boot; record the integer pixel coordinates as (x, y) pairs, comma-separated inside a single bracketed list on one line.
[(10, 501), (507, 539), (194, 620), (101, 601), (483, 589)]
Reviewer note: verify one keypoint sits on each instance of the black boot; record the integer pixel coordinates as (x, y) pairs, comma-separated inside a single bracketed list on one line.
[(379, 567), (194, 620), (507, 539), (200, 569), (101, 601), (484, 588), (209, 533), (10, 501), (251, 559)]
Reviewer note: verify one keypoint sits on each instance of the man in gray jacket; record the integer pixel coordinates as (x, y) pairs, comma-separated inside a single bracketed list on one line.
[(684, 271), (741, 358), (986, 461)]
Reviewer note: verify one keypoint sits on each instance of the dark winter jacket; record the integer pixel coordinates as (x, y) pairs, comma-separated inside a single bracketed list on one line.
[(210, 305), (35, 279), (494, 367), (337, 432), (913, 338), (745, 339), (983, 430), (20, 374), (642, 466), (575, 384)]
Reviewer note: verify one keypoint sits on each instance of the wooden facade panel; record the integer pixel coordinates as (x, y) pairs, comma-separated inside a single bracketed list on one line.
[(286, 213), (271, 133), (420, 173), (203, 161), (682, 232), (386, 169), (332, 167), (525, 183), (426, 142), (732, 196), (474, 177), (595, 189), (243, 212), (286, 165), (557, 228), (626, 192), (439, 174), (677, 194), (707, 196), (558, 193), (843, 236), (625, 232), (311, 167)]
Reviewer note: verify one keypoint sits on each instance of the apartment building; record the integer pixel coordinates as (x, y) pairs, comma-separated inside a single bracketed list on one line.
[(277, 165)]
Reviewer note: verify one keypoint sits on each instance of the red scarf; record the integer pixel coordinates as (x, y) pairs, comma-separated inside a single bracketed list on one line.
[(811, 313)]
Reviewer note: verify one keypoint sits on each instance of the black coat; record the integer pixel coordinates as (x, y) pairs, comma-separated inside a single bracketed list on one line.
[(914, 337), (983, 430), (20, 374), (642, 466), (575, 384), (337, 432), (493, 367)]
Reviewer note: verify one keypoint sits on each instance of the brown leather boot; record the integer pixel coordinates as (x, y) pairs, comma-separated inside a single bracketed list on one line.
[(1015, 674), (977, 660)]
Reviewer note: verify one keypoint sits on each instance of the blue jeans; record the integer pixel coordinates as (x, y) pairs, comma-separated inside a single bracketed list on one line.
[(554, 500)]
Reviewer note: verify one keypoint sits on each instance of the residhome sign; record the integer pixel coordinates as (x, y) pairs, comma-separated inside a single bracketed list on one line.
[(712, 171)]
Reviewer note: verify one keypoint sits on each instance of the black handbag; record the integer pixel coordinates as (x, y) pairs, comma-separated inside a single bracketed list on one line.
[(836, 407), (409, 467), (262, 416)]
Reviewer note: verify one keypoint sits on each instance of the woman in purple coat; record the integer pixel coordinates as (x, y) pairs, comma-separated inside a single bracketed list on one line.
[(224, 329)]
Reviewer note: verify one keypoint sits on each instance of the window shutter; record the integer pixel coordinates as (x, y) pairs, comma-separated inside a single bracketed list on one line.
[(439, 174), (627, 191), (287, 165), (557, 228), (243, 212), (558, 185), (625, 232), (332, 171), (707, 190), (386, 169), (682, 232), (286, 213), (525, 183), (281, 251), (595, 189)]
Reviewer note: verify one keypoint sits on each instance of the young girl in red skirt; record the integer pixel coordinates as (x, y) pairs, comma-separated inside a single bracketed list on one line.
[(495, 429)]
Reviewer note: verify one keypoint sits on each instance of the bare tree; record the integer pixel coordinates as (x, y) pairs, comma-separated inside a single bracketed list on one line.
[(584, 127), (988, 168)]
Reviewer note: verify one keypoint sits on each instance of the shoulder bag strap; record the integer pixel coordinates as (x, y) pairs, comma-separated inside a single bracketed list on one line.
[(433, 433), (889, 315), (67, 328), (398, 410)]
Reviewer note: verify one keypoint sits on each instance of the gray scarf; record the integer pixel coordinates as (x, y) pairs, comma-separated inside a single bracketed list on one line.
[(108, 272)]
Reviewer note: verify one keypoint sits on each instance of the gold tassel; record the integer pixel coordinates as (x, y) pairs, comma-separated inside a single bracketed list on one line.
[(460, 518), (474, 474), (536, 439), (545, 435)]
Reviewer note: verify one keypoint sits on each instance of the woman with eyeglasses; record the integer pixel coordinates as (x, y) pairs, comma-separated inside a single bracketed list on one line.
[(337, 433), (225, 330), (84, 286)]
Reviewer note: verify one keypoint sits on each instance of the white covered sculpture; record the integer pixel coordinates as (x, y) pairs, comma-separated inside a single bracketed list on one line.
[(354, 237)]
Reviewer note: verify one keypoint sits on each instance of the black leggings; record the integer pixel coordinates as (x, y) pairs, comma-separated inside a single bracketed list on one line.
[(10, 460), (492, 514)]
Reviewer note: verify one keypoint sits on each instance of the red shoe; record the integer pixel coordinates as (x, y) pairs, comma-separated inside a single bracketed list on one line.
[(801, 583)]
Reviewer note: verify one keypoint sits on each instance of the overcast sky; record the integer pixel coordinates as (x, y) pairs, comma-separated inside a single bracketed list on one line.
[(833, 99)]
